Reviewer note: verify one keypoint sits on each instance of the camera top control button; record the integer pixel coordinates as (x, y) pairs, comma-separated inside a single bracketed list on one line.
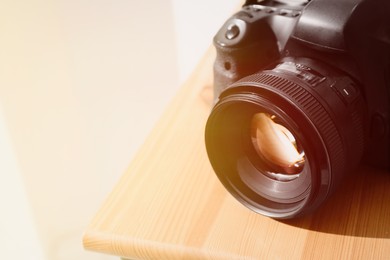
[(232, 32)]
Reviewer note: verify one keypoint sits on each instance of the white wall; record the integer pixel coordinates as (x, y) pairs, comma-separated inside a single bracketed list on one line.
[(82, 82), (196, 23)]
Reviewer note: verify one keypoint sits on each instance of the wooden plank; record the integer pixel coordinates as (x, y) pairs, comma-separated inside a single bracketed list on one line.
[(170, 205)]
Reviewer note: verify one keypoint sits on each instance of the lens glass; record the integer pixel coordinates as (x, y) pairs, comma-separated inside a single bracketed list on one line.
[(281, 155)]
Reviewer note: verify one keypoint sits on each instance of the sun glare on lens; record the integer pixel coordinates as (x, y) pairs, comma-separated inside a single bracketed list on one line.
[(276, 145)]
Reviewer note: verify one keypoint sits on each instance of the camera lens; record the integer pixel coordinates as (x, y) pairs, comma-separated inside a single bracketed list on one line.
[(276, 146), (283, 139)]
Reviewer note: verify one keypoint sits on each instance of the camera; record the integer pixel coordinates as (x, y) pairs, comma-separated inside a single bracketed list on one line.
[(302, 97)]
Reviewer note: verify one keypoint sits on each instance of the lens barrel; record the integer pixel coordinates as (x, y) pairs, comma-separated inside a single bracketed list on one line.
[(283, 139)]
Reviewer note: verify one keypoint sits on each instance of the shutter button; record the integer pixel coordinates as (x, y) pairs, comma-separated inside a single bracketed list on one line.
[(232, 32)]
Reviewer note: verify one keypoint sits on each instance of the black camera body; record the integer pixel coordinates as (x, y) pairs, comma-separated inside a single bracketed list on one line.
[(302, 93)]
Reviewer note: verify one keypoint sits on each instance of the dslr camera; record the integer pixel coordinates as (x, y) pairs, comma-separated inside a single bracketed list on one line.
[(302, 96)]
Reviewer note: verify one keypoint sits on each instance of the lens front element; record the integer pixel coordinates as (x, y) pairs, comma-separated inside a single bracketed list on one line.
[(276, 145)]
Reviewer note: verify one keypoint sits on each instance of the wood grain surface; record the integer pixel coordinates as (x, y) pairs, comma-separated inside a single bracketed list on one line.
[(170, 205)]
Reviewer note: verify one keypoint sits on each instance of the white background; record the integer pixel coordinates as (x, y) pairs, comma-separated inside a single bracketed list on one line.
[(82, 83)]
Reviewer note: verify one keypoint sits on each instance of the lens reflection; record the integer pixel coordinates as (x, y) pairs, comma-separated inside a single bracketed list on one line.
[(276, 145)]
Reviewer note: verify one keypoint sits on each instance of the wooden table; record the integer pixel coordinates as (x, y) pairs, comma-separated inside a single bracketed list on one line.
[(170, 205)]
